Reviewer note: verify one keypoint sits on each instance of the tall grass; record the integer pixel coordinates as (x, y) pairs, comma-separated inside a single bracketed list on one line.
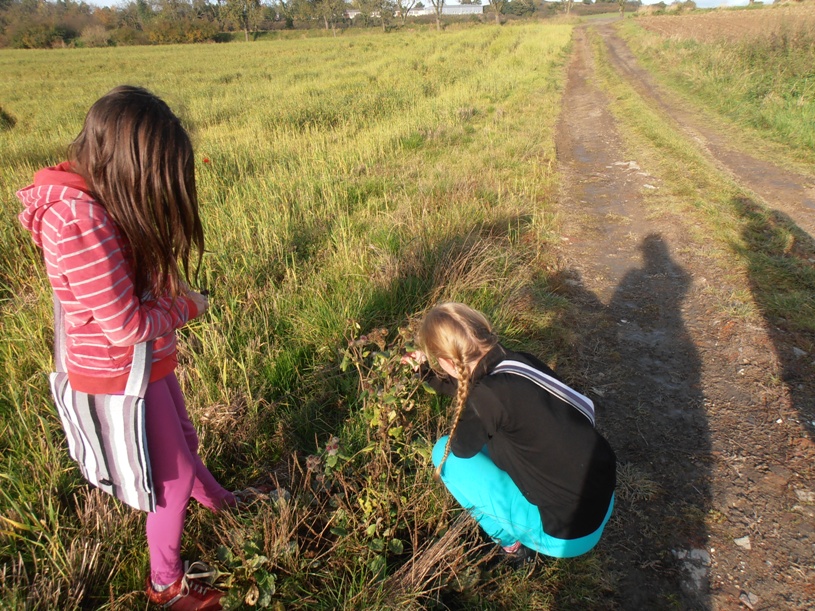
[(755, 68), (344, 182)]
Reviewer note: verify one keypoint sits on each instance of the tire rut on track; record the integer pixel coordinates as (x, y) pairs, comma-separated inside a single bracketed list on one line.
[(711, 448)]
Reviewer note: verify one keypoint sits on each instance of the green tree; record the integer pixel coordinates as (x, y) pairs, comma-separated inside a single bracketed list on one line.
[(331, 12), (245, 14), (384, 9), (498, 8), (287, 11)]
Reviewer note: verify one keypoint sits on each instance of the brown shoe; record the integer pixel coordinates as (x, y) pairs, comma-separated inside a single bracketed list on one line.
[(192, 591)]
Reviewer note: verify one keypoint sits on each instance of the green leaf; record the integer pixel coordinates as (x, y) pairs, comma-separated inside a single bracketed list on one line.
[(226, 556), (371, 530), (339, 531), (345, 362), (377, 545), (395, 546), (266, 585), (250, 548), (424, 452), (378, 565), (396, 432), (428, 388), (257, 561), (233, 599), (331, 461)]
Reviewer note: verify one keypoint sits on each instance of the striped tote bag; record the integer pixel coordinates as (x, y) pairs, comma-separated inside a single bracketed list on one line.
[(106, 433), (580, 402)]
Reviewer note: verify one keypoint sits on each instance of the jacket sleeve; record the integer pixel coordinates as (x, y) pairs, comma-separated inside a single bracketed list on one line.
[(90, 258)]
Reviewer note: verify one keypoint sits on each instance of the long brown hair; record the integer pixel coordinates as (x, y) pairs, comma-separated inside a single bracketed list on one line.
[(138, 163), (463, 335)]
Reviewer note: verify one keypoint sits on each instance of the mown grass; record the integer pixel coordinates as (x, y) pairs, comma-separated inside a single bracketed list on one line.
[(763, 257), (762, 80), (346, 185)]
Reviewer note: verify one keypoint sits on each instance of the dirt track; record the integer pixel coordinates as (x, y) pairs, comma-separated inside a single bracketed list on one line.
[(707, 414)]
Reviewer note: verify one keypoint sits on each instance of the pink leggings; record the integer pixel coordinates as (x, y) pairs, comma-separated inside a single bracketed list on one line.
[(178, 474)]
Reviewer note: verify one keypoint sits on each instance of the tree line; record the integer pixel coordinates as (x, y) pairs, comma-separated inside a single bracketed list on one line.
[(31, 24)]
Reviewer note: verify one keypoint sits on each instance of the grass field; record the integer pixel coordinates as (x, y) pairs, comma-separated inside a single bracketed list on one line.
[(346, 185), (756, 68)]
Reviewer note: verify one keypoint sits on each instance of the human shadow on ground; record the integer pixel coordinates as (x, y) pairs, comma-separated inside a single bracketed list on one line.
[(780, 260), (636, 359)]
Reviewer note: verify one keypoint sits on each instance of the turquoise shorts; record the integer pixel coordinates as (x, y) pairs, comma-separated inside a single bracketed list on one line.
[(499, 507)]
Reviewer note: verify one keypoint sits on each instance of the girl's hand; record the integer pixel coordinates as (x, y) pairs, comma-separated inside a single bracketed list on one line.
[(201, 302), (415, 359)]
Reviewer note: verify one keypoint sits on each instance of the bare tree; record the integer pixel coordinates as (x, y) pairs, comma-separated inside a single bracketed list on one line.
[(438, 6), (498, 8), (404, 7)]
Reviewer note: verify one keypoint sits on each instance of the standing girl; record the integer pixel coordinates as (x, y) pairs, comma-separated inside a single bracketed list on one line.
[(523, 456), (117, 223)]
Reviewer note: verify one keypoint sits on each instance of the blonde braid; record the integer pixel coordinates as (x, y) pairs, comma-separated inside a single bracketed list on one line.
[(462, 393)]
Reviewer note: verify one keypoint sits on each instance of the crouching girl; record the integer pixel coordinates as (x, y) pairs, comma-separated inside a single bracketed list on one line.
[(523, 456)]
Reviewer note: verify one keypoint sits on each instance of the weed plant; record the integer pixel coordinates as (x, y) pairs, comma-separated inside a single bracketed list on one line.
[(346, 185)]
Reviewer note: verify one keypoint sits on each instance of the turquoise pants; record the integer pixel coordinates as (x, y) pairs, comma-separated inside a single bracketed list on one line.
[(496, 503)]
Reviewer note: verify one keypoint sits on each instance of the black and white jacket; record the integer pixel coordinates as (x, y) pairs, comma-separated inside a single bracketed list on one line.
[(548, 446)]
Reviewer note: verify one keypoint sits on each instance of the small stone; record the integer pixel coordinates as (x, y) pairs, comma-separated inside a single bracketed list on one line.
[(743, 542), (700, 555), (649, 186), (805, 496), (798, 352), (748, 599)]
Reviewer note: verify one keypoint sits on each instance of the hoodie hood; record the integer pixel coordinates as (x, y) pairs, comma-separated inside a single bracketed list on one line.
[(51, 185)]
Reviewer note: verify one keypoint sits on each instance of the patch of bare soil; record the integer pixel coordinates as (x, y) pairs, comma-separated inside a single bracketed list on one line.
[(708, 416)]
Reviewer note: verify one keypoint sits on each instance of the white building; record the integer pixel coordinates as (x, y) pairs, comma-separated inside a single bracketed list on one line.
[(448, 9)]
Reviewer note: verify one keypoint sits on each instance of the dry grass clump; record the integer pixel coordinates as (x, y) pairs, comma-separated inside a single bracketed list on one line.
[(634, 485), (438, 563), (79, 561)]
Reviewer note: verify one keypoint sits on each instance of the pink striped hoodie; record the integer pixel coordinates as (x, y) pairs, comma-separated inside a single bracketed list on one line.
[(85, 257)]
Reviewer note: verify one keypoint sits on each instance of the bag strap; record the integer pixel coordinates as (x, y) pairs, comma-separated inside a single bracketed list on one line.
[(139, 375), (581, 402)]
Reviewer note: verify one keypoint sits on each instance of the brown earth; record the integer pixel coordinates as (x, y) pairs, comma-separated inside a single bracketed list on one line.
[(712, 418)]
